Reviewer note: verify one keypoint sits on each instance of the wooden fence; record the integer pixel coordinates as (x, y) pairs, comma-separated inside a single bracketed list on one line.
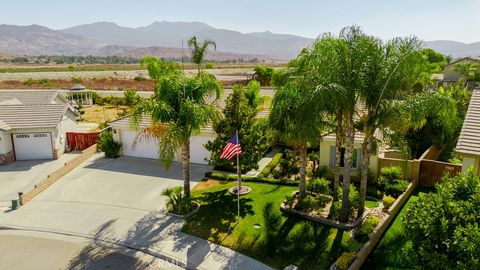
[(432, 172), (81, 140)]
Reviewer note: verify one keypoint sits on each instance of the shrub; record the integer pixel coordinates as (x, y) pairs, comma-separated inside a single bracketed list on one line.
[(392, 172), (177, 203), (367, 228), (108, 145), (353, 198), (397, 188), (321, 172), (290, 163), (388, 201), (307, 204), (76, 80), (443, 226), (319, 185), (322, 200), (289, 200), (345, 260), (374, 192), (271, 166), (233, 177), (335, 210), (131, 97), (139, 78), (209, 66)]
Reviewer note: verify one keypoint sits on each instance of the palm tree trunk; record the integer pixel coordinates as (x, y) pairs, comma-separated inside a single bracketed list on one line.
[(303, 169), (338, 148), (186, 167), (366, 149), (350, 132)]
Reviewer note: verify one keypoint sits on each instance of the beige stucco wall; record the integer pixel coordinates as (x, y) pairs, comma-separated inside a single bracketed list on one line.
[(469, 162), (325, 157), (68, 124), (5, 142)]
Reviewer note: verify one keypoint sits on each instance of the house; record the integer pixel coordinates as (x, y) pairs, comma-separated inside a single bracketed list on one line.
[(450, 75), (124, 133), (33, 124), (468, 145)]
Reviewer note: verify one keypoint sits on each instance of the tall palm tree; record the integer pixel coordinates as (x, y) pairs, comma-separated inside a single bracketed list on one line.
[(178, 109), (387, 69), (199, 50), (287, 119)]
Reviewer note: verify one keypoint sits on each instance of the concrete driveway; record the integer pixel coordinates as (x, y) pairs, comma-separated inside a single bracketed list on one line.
[(21, 176), (118, 201)]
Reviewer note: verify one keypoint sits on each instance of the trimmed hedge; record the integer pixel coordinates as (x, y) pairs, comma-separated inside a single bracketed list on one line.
[(271, 166), (233, 177)]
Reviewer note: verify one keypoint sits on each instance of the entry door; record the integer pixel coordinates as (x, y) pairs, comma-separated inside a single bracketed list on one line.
[(30, 146)]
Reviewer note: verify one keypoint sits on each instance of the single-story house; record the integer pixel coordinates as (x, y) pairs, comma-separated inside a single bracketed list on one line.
[(124, 133), (33, 124), (449, 72), (468, 145)]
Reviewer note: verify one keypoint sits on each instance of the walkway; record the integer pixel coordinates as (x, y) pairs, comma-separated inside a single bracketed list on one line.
[(264, 162)]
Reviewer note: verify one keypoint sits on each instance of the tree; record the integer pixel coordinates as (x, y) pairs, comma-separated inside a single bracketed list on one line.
[(443, 226), (383, 79), (199, 50), (263, 74), (239, 115), (296, 130), (178, 109)]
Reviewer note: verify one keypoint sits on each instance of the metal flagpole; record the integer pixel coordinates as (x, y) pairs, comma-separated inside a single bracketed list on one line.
[(239, 182)]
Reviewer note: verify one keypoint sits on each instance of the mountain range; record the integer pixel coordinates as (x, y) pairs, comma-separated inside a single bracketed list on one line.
[(164, 39)]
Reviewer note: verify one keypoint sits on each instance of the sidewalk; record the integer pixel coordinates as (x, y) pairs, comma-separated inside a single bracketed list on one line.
[(263, 162)]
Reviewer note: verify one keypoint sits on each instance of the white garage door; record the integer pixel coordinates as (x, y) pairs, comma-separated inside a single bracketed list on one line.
[(143, 149), (149, 148), (29, 146), (198, 153)]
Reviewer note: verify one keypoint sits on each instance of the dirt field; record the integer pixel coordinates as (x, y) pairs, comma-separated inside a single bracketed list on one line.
[(101, 114)]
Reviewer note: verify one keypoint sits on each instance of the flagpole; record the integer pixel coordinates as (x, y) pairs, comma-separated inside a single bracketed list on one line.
[(239, 182)]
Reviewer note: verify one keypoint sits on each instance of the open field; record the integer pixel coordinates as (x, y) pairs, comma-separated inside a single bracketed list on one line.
[(101, 114)]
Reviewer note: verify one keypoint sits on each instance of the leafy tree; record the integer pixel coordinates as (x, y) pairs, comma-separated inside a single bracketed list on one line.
[(240, 114), (199, 50), (177, 110), (444, 225), (468, 71), (263, 74), (131, 97)]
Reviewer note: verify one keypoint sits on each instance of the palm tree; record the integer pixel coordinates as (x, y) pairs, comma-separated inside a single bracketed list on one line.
[(199, 50), (293, 127), (177, 110), (385, 74)]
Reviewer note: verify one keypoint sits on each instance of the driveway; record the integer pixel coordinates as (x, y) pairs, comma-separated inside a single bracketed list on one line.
[(118, 201), (21, 176)]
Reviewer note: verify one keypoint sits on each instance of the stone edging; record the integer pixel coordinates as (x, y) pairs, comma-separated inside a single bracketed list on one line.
[(322, 220), (382, 226), (197, 207)]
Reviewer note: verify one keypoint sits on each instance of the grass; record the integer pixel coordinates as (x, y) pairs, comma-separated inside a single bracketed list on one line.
[(262, 232), (101, 114), (371, 203), (389, 253)]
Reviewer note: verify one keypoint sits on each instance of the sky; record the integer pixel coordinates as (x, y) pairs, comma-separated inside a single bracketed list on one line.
[(428, 19)]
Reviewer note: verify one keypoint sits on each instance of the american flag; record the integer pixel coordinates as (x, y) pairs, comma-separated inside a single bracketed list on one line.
[(232, 149)]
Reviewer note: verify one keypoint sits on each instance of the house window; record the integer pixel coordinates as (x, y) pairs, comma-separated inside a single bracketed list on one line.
[(356, 157)]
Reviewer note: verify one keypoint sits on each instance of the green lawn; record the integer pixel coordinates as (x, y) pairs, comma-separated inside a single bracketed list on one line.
[(262, 232), (371, 203), (389, 252)]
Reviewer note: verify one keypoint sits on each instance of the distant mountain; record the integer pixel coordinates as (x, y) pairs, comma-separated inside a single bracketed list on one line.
[(171, 34), (36, 39), (455, 48)]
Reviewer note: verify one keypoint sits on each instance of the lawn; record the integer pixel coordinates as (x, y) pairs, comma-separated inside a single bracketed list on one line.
[(262, 232), (101, 114), (369, 203), (389, 252)]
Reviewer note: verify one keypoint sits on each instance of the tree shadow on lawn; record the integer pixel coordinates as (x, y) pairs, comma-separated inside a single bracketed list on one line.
[(217, 216)]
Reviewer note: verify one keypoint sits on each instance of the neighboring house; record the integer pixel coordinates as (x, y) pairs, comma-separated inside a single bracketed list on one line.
[(148, 148), (33, 124), (450, 75), (468, 145)]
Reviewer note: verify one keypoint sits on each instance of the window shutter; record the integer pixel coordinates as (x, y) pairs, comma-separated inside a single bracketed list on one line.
[(359, 158), (332, 157)]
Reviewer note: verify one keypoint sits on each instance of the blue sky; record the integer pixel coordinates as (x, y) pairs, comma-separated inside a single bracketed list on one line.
[(428, 19)]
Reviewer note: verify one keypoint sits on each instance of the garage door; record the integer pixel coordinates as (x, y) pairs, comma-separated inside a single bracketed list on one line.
[(149, 148), (29, 146), (143, 149)]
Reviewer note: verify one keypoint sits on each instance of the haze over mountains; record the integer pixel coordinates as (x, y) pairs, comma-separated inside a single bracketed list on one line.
[(164, 39)]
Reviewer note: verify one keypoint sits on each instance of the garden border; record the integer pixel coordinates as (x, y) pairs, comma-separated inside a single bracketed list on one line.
[(382, 226), (197, 208), (322, 220), (233, 177)]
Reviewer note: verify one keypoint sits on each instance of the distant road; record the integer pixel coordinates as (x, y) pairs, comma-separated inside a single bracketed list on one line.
[(221, 74)]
